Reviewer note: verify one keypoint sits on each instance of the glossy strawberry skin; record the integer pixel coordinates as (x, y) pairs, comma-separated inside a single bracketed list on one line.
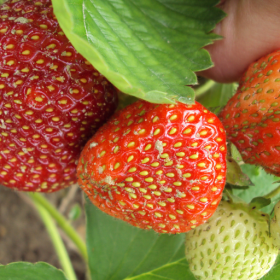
[(156, 166), (51, 99), (252, 116)]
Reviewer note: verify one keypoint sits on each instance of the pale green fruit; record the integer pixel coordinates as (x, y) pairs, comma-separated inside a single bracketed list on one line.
[(275, 226), (234, 244)]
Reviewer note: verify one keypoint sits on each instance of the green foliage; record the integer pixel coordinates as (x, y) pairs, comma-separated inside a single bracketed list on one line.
[(29, 271), (119, 251), (148, 49)]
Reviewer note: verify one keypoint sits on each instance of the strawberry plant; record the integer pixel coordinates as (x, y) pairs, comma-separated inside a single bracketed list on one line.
[(167, 196)]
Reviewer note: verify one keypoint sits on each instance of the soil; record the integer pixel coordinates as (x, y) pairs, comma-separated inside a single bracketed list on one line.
[(23, 236)]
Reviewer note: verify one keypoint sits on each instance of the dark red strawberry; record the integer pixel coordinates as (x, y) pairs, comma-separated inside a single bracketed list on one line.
[(51, 99), (252, 116), (157, 166)]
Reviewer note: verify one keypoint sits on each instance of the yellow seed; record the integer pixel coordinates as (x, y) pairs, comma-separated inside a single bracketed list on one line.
[(3, 173), (35, 37), (142, 131), (180, 212), (53, 67), (43, 26), (216, 155), (218, 166), (157, 214), (18, 82), (168, 190), (204, 199), (122, 203), (195, 188), (157, 131), (129, 179), (173, 117), (155, 119), (40, 61), (17, 101), (116, 149), (2, 86), (187, 175), (178, 144), (155, 164), (177, 184), (19, 32), (131, 144), (4, 134), (133, 195), (195, 156), (148, 147), (10, 62), (201, 164), (10, 46), (180, 154), (132, 169), (136, 184), (193, 227), (203, 178), (136, 206), (25, 127), (214, 189), (144, 173), (187, 131), (149, 179), (207, 147), (176, 226), (157, 193), (152, 187), (171, 175), (145, 160), (143, 190), (147, 196), (83, 80), (164, 155), (220, 177), (190, 206), (203, 133), (222, 148), (159, 172), (26, 52), (102, 153), (214, 203), (130, 158), (161, 203), (219, 140), (190, 118), (143, 213), (210, 120), (55, 119), (3, 30), (173, 131), (39, 99), (171, 199)]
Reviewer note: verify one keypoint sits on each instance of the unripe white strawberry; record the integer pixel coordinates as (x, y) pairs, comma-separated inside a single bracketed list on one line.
[(233, 244), (275, 226)]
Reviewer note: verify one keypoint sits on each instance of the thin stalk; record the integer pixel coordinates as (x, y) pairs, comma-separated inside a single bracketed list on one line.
[(204, 88), (62, 222), (57, 242), (273, 193)]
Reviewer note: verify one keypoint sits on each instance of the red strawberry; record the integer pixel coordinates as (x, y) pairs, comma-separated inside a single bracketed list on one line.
[(157, 166), (52, 99), (251, 117)]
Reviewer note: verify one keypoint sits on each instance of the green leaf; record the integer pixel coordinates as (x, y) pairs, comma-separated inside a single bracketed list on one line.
[(235, 175), (260, 202), (29, 271), (118, 250), (263, 184), (275, 271), (148, 49)]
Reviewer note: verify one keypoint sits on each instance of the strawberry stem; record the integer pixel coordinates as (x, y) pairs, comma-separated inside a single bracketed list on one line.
[(273, 193), (57, 242), (62, 222), (204, 88)]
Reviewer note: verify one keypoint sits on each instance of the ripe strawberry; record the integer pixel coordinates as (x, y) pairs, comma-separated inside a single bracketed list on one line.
[(233, 244), (52, 99), (157, 166), (251, 117)]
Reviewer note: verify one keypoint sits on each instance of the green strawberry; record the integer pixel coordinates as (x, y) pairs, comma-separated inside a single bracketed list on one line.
[(233, 244)]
